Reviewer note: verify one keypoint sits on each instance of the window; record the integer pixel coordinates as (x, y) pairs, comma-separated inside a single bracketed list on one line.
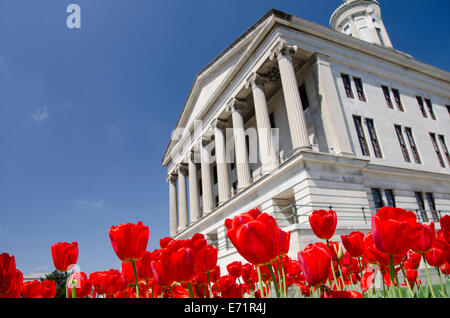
[(397, 99), (347, 30), (200, 188), (304, 96), (359, 89), (216, 200), (376, 193), (444, 147), (421, 106), (380, 36), (347, 86), (361, 136), (272, 121), (373, 138), (436, 149), (390, 198), (423, 214), (387, 96), (432, 205), (430, 108), (401, 140), (413, 146), (214, 174), (247, 144)]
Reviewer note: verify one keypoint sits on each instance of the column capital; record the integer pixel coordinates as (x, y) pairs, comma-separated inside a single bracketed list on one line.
[(236, 104), (204, 141), (283, 48), (191, 154), (172, 178), (182, 168), (256, 80), (219, 124)]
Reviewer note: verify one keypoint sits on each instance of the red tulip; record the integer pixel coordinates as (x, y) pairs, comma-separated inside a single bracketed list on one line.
[(445, 269), (323, 223), (329, 293), (228, 288), (255, 237), (180, 292), (284, 240), (436, 257), (206, 259), (315, 262), (161, 274), (111, 281), (129, 241), (394, 230), (353, 243), (367, 279), (81, 283), (179, 259), (127, 274), (351, 263), (64, 255), (426, 234), (11, 279), (411, 275), (249, 273), (445, 226), (32, 289), (373, 255), (413, 261), (293, 268), (143, 266), (48, 289), (235, 269)]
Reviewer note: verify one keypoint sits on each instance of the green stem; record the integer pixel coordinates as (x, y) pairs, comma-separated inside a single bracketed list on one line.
[(146, 282), (191, 292), (284, 278), (342, 276), (277, 291), (67, 287), (407, 282), (135, 278), (428, 276), (261, 290), (74, 289), (440, 281), (332, 269), (391, 273)]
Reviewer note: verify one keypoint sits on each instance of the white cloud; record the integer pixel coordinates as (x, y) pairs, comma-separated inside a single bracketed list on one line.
[(97, 204), (41, 114), (34, 276)]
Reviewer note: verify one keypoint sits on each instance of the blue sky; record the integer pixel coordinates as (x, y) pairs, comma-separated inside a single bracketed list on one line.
[(85, 115)]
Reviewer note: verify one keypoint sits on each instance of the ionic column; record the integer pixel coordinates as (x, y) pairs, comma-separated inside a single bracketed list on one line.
[(240, 148), (207, 181), (173, 216), (194, 202), (182, 197), (267, 153), (223, 178), (296, 117)]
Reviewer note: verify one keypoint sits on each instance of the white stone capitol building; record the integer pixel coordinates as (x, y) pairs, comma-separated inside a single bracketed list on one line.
[(294, 117)]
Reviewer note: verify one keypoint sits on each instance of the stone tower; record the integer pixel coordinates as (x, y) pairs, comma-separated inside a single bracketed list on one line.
[(361, 19)]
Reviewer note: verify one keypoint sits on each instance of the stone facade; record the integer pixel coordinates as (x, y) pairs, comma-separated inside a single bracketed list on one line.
[(272, 123)]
